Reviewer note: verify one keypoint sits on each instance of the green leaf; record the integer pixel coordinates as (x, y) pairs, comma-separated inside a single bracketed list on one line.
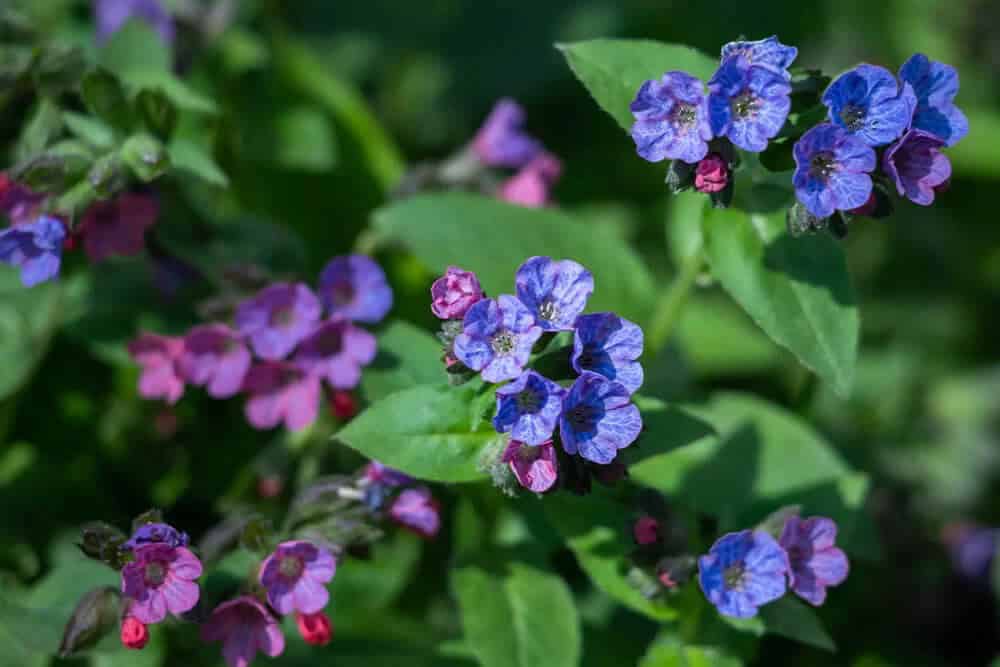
[(145, 156), (180, 94), (432, 432), (368, 586), (524, 619), (90, 130), (407, 356), (797, 290), (135, 46), (718, 339), (28, 318), (304, 140), (493, 238), (187, 156), (792, 619), (44, 125), (104, 96), (614, 69), (671, 652)]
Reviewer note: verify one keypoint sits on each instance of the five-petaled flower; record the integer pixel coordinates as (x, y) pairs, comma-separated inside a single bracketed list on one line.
[(598, 418), (355, 287), (529, 408), (832, 170), (215, 357), (336, 351), (497, 337), (244, 626), (160, 579), (814, 562), (743, 571), (609, 345), (671, 119), (868, 102), (917, 166), (767, 52), (935, 85), (295, 577), (35, 247), (556, 292), (748, 103), (535, 467), (160, 358), (281, 392), (117, 227), (278, 318)]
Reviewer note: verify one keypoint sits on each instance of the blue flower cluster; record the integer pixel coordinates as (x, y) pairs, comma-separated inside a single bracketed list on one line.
[(594, 416)]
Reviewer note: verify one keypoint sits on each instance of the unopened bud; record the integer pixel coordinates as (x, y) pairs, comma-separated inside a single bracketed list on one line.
[(315, 629), (94, 616), (134, 634)]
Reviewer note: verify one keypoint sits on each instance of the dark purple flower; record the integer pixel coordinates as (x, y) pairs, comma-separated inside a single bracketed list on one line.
[(117, 227), (379, 473), (295, 577), (501, 141), (535, 467), (556, 292), (646, 530), (935, 85), (671, 119), (748, 103), (112, 15), (416, 510), (35, 247), (18, 202), (972, 549), (454, 293), (336, 351), (917, 166), (281, 392), (156, 533), (832, 170), (814, 562), (528, 408), (497, 337), (244, 626), (530, 186), (743, 571), (215, 357), (609, 345), (161, 579), (598, 418), (768, 52), (712, 174), (869, 103), (278, 318), (355, 287), (159, 357)]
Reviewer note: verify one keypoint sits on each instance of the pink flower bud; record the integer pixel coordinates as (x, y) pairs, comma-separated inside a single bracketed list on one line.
[(454, 293), (315, 629), (711, 175), (344, 405), (646, 530), (135, 634)]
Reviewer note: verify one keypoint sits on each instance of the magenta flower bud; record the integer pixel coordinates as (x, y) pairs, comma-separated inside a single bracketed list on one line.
[(454, 293), (646, 530), (711, 175), (534, 467)]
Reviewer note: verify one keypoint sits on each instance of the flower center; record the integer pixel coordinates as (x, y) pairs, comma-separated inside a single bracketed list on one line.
[(282, 317), (733, 577), (581, 416), (529, 401), (548, 311), (684, 115), (822, 165), (745, 105), (290, 567), (586, 359), (503, 343), (853, 117), (330, 344), (342, 292), (155, 573)]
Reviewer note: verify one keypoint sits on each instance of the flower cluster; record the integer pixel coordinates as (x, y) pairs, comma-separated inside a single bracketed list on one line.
[(745, 570), (593, 417), (287, 341)]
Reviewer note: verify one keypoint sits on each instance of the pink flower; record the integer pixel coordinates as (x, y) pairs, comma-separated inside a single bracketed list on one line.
[(244, 626), (161, 580), (530, 186), (646, 530), (117, 227), (281, 392), (295, 577), (335, 351), (215, 356), (454, 293), (501, 141), (534, 467), (417, 511), (159, 357), (315, 629), (711, 175)]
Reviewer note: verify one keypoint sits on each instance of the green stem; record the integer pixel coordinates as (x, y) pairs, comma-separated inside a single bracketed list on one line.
[(669, 307)]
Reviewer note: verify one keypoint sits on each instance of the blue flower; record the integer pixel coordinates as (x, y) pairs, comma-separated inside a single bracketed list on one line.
[(155, 533), (556, 292), (529, 408), (355, 286), (598, 418), (35, 247), (867, 101), (832, 170), (935, 85), (497, 338), (609, 345), (767, 52), (671, 119), (748, 103), (743, 571)]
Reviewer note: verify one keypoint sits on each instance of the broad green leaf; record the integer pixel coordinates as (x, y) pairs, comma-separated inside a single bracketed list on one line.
[(718, 339), (407, 356), (92, 130), (665, 428), (526, 618), (187, 156), (792, 619), (135, 46), (614, 69), (364, 588), (304, 139), (671, 652), (104, 96), (146, 156), (797, 290), (432, 432), (493, 238), (44, 125), (28, 318)]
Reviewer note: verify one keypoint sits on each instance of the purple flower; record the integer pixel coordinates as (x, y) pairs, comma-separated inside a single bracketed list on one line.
[(598, 418), (497, 337), (528, 408), (536, 468), (215, 357), (813, 561), (917, 165), (18, 202), (244, 626), (868, 102), (112, 15), (501, 141), (117, 227), (295, 577), (35, 247), (972, 549), (743, 571), (530, 186), (609, 345), (556, 292), (281, 392), (355, 287), (336, 351), (671, 119), (278, 318), (832, 170), (159, 357), (161, 579), (748, 103), (416, 510), (768, 52), (156, 533), (935, 85), (379, 473), (454, 293)]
